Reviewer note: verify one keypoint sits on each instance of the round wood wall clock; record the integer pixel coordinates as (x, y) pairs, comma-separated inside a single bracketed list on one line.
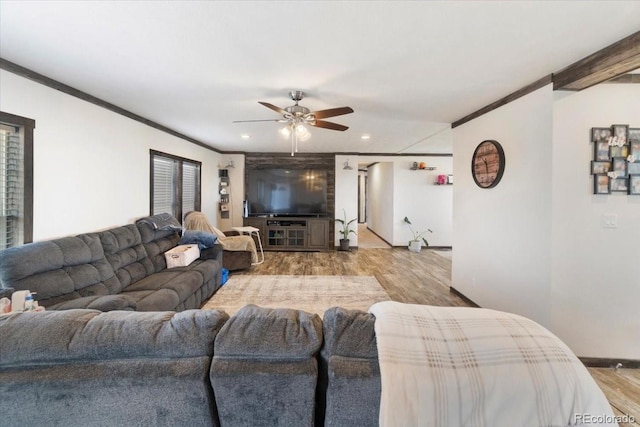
[(487, 164)]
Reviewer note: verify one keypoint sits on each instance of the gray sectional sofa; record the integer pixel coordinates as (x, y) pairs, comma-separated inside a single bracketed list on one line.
[(123, 268), (262, 367), (121, 344)]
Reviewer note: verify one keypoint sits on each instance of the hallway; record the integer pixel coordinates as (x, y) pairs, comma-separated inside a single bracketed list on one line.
[(367, 239)]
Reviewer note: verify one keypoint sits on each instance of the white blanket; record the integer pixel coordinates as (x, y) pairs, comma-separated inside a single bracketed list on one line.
[(455, 366)]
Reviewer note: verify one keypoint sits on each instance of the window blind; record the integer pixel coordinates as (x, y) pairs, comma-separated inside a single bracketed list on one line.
[(190, 173), (175, 184), (164, 178), (11, 186)]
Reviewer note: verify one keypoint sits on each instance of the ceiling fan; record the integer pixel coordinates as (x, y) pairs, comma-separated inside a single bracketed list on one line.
[(296, 116)]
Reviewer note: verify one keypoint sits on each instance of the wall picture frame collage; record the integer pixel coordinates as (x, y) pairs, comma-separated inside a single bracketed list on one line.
[(616, 160)]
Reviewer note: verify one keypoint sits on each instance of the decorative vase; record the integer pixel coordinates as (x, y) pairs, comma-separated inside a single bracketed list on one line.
[(415, 245), (344, 244)]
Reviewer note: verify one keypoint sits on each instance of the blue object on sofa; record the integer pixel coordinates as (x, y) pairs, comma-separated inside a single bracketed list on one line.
[(203, 239)]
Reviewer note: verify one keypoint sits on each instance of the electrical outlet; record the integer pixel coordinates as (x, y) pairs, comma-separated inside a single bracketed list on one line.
[(609, 220)]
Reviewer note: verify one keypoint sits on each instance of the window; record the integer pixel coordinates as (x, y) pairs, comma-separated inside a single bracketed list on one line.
[(175, 184), (16, 180)]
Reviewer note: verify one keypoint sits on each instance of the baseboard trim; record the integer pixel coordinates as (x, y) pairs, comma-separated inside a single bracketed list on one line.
[(463, 296), (379, 237), (589, 362), (597, 362)]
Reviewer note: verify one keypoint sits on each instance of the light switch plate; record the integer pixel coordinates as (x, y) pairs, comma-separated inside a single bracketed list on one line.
[(609, 220)]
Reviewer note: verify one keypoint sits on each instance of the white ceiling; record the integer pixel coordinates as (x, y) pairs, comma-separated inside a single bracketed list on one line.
[(408, 69)]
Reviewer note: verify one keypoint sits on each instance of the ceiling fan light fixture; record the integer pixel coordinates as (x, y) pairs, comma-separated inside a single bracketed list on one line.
[(365, 137), (296, 116), (286, 130)]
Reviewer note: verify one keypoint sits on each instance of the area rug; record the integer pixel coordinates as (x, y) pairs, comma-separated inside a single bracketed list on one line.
[(313, 294)]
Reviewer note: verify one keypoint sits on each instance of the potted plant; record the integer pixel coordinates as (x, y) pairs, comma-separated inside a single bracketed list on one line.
[(415, 245), (346, 230)]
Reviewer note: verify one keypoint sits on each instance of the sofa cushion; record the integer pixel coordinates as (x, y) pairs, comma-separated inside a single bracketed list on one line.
[(102, 303), (349, 385), (349, 333), (82, 368), (263, 332), (59, 270), (82, 335), (157, 241), (124, 250), (264, 370)]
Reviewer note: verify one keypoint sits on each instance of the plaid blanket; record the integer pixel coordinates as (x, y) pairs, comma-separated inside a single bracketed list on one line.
[(455, 366)]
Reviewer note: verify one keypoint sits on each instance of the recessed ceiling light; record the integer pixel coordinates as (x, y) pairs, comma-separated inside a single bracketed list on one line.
[(365, 137), (245, 136)]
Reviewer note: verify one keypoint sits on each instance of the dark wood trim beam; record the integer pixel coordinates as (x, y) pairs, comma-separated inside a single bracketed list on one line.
[(503, 101), (54, 84), (402, 154), (626, 78), (616, 59)]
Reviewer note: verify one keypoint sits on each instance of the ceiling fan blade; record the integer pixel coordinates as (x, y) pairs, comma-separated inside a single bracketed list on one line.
[(266, 120), (331, 112), (273, 107), (328, 125)]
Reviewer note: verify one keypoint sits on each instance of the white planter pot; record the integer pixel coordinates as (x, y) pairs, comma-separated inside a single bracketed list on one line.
[(415, 246)]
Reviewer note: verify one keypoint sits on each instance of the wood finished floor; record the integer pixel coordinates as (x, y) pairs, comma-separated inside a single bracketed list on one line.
[(425, 278)]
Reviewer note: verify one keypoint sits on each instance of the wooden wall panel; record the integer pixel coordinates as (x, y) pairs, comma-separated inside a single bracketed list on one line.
[(319, 161)]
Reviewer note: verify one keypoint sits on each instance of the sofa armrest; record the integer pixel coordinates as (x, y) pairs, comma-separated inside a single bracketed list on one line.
[(102, 303), (214, 252)]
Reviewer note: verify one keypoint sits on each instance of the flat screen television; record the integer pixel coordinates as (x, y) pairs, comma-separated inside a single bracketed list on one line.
[(287, 192)]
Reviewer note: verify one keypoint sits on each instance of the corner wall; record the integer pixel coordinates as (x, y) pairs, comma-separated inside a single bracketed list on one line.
[(595, 270), (534, 245), (91, 165), (502, 235), (346, 197)]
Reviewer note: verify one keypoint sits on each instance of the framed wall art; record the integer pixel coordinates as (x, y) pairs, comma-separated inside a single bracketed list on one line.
[(601, 184), (616, 159), (620, 134), (634, 185), (633, 168), (598, 167), (619, 167), (634, 149), (618, 184)]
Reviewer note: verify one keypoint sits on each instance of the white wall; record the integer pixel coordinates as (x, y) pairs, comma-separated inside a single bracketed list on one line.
[(346, 197), (595, 270), (91, 166), (502, 235), (534, 245), (428, 206), (236, 191), (381, 197), (395, 191)]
